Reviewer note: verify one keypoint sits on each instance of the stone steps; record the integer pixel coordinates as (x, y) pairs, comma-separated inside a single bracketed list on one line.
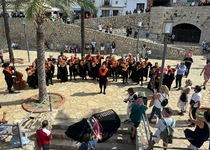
[(70, 145), (120, 140), (64, 124)]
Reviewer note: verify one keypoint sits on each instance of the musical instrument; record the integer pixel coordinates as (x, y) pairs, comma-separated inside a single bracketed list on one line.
[(30, 72), (125, 67), (19, 83), (94, 64)]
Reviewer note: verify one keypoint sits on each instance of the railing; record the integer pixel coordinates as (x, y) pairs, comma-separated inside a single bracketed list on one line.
[(149, 136), (18, 125)]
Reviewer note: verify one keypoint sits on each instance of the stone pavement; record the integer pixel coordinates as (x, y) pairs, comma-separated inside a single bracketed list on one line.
[(82, 98)]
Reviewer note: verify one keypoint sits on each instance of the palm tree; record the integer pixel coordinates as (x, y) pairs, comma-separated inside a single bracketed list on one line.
[(36, 12), (7, 30), (85, 5)]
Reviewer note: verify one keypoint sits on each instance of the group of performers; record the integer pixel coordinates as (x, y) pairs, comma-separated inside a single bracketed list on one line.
[(93, 66)]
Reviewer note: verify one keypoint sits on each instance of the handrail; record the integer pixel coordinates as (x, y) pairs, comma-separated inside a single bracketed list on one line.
[(149, 135), (48, 96), (21, 123)]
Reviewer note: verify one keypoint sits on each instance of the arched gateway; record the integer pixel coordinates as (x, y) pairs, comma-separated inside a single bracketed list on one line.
[(187, 33)]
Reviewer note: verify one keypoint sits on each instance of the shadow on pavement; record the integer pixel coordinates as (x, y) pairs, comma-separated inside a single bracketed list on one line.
[(84, 94)]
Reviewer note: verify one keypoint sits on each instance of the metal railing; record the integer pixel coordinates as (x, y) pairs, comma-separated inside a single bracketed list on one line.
[(149, 136), (18, 125)]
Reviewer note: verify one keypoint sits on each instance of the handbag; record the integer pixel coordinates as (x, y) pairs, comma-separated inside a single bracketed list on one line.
[(183, 97)]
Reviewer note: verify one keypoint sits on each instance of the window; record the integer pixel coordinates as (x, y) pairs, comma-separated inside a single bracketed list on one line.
[(116, 2)]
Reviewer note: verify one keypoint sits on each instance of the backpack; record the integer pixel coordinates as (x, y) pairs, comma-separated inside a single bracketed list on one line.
[(167, 134), (183, 97), (164, 102)]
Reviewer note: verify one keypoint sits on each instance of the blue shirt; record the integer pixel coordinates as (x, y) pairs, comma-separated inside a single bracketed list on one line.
[(15, 142), (181, 70)]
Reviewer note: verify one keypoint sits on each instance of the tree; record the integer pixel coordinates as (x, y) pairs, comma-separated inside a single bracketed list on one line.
[(36, 12), (85, 5), (7, 30)]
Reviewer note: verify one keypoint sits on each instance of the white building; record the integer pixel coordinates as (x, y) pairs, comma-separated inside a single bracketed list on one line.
[(116, 7)]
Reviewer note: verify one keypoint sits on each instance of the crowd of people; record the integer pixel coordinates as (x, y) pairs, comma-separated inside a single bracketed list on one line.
[(127, 67)]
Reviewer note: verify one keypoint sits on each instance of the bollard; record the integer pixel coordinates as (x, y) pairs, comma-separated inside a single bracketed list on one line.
[(19, 134), (50, 103)]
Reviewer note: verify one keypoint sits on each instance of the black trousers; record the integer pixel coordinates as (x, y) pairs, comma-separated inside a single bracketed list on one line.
[(9, 84), (194, 113), (125, 76), (46, 147), (102, 83), (114, 74), (2, 60), (179, 80)]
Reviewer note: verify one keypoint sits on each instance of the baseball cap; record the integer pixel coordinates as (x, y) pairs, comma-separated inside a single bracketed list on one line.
[(168, 110)]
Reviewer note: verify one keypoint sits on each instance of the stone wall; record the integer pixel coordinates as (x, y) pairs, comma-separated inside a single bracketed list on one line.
[(117, 21), (197, 16)]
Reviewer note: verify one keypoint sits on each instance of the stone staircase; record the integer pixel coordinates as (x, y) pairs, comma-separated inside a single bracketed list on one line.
[(120, 140)]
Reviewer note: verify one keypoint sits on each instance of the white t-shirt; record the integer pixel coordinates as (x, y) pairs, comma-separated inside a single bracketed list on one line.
[(100, 27), (102, 48), (161, 127), (93, 43), (196, 97), (157, 102)]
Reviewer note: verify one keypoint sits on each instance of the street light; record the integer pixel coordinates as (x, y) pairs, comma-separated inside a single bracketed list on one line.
[(26, 39), (139, 26), (167, 30)]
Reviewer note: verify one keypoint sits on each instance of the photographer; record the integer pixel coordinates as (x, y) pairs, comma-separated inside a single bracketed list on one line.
[(131, 98)]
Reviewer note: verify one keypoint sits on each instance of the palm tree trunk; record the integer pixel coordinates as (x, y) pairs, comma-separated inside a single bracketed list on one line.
[(7, 31), (82, 31), (41, 64)]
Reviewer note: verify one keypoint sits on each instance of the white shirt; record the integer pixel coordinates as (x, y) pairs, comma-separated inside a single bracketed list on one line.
[(100, 27), (157, 102), (93, 43), (161, 127), (196, 97)]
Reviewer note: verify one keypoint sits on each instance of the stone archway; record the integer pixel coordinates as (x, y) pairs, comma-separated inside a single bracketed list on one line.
[(186, 32)]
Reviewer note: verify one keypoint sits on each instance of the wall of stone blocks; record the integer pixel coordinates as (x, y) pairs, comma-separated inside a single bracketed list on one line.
[(58, 35)]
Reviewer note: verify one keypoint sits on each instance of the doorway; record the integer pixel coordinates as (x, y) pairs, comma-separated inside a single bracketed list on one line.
[(187, 33)]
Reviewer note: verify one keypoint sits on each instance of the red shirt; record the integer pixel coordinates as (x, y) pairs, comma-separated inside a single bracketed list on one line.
[(43, 136)]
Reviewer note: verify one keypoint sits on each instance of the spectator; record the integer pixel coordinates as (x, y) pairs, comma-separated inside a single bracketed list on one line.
[(172, 38), (202, 129), (113, 46), (1, 55), (43, 136), (107, 29), (157, 99), (206, 71), (188, 62), (110, 29), (93, 44), (195, 102), (132, 96), (148, 52), (107, 47), (15, 141), (4, 129), (189, 53), (100, 27), (88, 144), (182, 104), (180, 72), (205, 46), (161, 125), (102, 48), (137, 110)]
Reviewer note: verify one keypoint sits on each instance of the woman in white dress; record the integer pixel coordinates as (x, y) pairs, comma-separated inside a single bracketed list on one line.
[(183, 102)]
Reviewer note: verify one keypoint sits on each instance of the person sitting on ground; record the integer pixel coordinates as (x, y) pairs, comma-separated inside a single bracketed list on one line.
[(161, 125), (202, 130), (137, 110), (15, 140), (132, 96), (88, 142)]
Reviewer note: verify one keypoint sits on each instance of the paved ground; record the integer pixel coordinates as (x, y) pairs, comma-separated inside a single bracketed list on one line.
[(82, 98)]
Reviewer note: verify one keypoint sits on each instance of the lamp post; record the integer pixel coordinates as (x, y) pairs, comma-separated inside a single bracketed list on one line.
[(167, 30), (137, 49), (26, 39)]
